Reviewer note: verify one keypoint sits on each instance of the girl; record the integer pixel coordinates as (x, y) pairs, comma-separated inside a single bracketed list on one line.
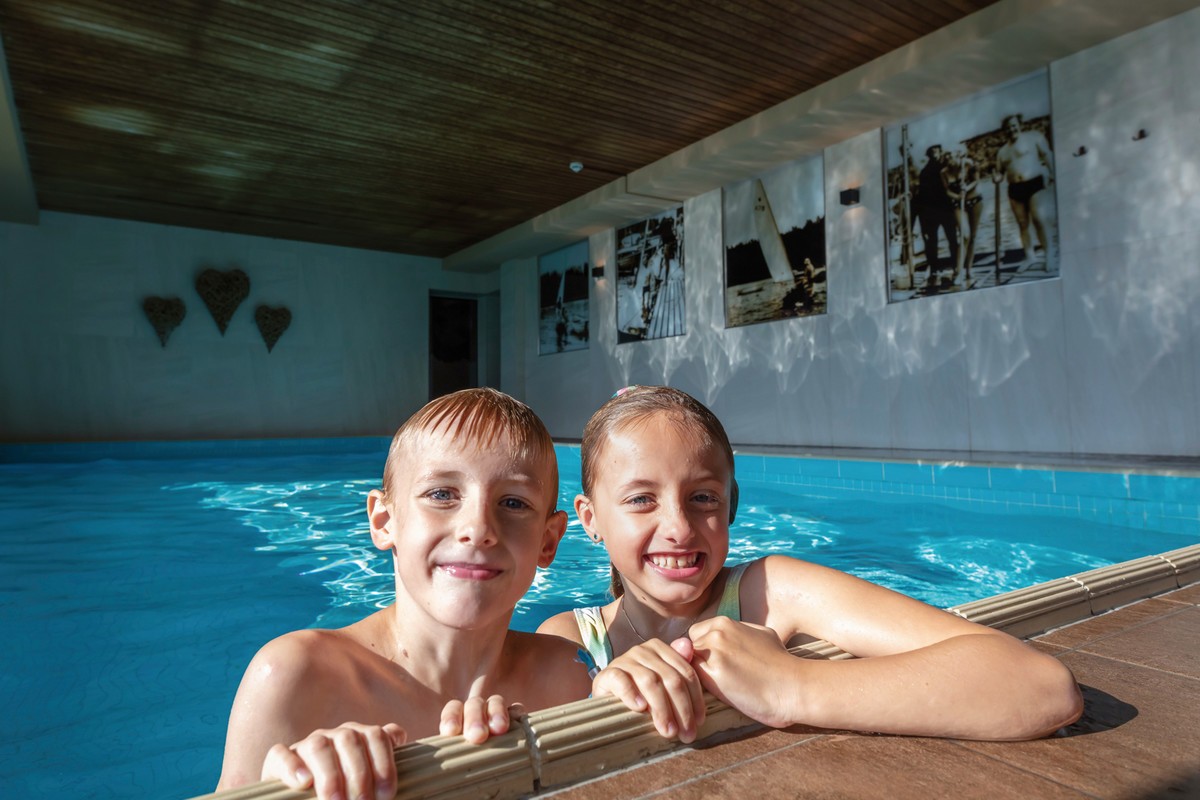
[(659, 492)]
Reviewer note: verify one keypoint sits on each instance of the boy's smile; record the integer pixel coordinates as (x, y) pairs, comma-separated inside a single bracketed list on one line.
[(469, 572)]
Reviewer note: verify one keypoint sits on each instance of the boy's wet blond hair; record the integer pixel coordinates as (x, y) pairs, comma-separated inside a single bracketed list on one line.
[(635, 404), (485, 417)]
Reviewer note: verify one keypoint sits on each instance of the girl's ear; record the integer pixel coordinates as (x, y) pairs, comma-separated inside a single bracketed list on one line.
[(380, 517), (556, 526), (587, 516)]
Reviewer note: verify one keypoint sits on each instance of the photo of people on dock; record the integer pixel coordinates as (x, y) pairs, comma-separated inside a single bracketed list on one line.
[(774, 228), (650, 302), (563, 295), (970, 193)]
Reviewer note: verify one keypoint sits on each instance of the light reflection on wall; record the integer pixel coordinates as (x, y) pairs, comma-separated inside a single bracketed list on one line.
[(1101, 360)]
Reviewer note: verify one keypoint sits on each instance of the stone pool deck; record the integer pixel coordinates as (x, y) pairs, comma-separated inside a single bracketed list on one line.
[(1139, 737)]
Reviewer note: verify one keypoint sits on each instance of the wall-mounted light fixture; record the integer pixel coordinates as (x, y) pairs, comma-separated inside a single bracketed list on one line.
[(598, 271), (849, 197)]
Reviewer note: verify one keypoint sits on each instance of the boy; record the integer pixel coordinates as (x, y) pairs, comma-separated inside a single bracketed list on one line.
[(467, 510)]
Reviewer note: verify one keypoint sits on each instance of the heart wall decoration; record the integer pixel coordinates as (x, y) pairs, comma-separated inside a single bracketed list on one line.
[(222, 293), (165, 314), (272, 322)]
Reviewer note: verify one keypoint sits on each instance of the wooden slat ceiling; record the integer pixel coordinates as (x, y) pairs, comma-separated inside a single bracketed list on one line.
[(419, 127)]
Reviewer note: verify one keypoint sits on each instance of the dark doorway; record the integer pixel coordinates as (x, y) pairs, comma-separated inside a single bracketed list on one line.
[(453, 344)]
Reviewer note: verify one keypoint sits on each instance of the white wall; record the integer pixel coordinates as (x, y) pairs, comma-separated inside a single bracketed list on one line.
[(80, 361), (1104, 360)]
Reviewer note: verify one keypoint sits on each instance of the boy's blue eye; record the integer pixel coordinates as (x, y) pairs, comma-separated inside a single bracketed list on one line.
[(441, 495), (514, 503)]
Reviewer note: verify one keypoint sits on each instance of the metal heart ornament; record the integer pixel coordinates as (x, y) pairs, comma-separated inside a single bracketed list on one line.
[(272, 322), (165, 314), (222, 293)]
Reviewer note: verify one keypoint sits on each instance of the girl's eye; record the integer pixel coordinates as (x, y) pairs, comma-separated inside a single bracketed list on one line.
[(515, 504), (440, 495), (706, 497), (640, 500)]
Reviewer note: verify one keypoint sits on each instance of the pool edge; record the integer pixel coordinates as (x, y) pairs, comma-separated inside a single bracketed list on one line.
[(587, 738)]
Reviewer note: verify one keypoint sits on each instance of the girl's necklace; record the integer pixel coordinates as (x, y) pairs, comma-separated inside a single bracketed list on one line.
[(633, 628)]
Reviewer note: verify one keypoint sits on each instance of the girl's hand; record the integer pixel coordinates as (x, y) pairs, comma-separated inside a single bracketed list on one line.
[(478, 718), (657, 677), (351, 760), (746, 666)]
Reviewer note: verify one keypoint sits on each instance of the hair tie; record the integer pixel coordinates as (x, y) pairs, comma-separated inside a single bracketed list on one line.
[(623, 390)]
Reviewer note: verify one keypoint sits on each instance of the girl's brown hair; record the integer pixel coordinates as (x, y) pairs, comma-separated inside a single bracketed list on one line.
[(637, 403)]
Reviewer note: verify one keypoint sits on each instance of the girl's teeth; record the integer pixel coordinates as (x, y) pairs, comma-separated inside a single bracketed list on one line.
[(674, 562)]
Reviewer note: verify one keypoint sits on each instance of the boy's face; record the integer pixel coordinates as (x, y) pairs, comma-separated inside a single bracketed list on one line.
[(468, 527)]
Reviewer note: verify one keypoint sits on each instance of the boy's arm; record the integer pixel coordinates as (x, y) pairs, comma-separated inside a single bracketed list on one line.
[(277, 701), (923, 671)]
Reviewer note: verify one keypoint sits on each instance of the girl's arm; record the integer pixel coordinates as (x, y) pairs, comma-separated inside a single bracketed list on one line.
[(921, 671)]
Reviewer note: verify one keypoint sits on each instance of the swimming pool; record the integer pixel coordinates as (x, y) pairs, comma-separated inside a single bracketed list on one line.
[(134, 590)]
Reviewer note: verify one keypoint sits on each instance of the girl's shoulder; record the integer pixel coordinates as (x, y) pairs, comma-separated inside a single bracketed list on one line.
[(562, 624), (566, 624)]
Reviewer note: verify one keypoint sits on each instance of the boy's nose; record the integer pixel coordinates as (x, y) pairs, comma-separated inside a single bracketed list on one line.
[(476, 526)]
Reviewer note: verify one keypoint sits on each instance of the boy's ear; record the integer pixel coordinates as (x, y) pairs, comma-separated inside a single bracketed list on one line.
[(587, 516), (380, 516), (556, 528)]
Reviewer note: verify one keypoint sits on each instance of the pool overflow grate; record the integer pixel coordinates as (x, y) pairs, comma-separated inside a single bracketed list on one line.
[(588, 738)]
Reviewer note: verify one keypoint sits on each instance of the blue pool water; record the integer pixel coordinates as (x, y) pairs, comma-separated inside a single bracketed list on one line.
[(134, 592)]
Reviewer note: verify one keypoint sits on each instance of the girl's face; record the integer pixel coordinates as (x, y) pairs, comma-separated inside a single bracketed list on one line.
[(660, 502)]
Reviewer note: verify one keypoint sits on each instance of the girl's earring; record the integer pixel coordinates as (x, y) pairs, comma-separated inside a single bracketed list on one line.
[(595, 537)]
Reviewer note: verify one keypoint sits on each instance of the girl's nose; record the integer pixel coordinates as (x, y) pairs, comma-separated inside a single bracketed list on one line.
[(675, 523)]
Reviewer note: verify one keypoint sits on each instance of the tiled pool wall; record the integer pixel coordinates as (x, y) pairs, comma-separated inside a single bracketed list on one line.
[(55, 452), (1169, 503), (1163, 502)]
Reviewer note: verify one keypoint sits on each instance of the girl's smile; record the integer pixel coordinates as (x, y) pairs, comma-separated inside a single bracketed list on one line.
[(676, 565)]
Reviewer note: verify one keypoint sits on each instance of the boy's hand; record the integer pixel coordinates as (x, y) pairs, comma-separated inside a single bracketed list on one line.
[(478, 718), (746, 666), (657, 677), (351, 760)]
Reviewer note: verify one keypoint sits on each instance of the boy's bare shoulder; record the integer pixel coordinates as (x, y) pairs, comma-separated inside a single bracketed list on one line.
[(302, 657), (551, 670)]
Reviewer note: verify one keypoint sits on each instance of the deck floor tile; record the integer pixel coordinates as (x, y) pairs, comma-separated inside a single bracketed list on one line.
[(1138, 731)]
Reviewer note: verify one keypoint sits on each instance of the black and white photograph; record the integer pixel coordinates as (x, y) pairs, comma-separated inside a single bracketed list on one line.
[(970, 193), (650, 303), (774, 228), (563, 294)]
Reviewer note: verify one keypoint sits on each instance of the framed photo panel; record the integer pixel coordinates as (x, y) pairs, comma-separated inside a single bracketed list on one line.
[(650, 301), (970, 193), (563, 299), (774, 229)]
